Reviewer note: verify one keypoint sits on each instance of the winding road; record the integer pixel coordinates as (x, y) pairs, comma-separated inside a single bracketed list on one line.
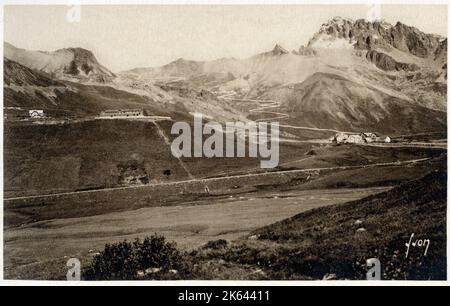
[(263, 107)]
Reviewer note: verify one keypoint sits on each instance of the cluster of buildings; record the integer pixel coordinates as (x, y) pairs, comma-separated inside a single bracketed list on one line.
[(36, 113), (13, 113), (123, 113), (359, 138), (112, 113), (18, 113), (130, 114)]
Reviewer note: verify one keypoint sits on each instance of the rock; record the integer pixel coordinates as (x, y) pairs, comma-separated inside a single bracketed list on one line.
[(387, 63), (306, 51), (329, 276), (259, 271), (378, 34), (311, 152), (152, 270), (279, 50)]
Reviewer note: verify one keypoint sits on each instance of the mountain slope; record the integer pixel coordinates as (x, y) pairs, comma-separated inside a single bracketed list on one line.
[(71, 63), (351, 75), (26, 88), (16, 74), (332, 101), (267, 69), (415, 63), (377, 226)]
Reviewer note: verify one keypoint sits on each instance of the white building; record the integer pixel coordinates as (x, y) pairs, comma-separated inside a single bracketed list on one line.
[(348, 138), (36, 113), (370, 137), (358, 138), (122, 113), (355, 138)]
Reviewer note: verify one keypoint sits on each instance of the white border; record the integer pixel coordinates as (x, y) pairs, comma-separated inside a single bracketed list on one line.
[(217, 2), (200, 282)]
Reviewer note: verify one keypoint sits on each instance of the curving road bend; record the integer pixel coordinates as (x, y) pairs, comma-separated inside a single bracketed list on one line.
[(263, 107)]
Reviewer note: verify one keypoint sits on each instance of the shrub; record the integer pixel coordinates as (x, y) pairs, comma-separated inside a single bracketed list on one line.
[(215, 244), (152, 258)]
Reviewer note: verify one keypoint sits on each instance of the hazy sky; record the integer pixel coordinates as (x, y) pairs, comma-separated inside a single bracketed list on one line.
[(125, 37)]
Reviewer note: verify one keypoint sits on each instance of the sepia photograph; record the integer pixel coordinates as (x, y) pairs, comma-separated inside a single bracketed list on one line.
[(224, 141)]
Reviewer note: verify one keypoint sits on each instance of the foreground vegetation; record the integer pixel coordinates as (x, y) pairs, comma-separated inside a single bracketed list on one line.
[(331, 242)]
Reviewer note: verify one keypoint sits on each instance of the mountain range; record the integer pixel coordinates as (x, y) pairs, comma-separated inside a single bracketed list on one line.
[(70, 63), (351, 76)]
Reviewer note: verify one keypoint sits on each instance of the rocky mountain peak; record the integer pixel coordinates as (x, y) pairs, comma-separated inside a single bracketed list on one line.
[(83, 54), (367, 35), (279, 50)]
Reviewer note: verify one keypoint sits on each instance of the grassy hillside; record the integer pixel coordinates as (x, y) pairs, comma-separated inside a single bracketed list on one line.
[(95, 154), (76, 100), (84, 155), (338, 239)]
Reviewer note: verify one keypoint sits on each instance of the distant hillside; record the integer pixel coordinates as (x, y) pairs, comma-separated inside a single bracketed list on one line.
[(351, 75), (70, 63), (25, 88), (16, 74), (333, 101)]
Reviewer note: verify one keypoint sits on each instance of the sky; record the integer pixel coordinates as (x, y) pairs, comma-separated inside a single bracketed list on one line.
[(126, 37)]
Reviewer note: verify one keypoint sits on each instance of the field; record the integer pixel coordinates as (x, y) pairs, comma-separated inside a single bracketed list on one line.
[(52, 213), (96, 154), (40, 250)]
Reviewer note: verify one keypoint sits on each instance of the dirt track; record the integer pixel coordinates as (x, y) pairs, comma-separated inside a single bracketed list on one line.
[(208, 180)]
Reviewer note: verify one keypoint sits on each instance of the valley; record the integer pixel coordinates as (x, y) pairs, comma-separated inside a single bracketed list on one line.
[(39, 250), (61, 225), (88, 160)]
